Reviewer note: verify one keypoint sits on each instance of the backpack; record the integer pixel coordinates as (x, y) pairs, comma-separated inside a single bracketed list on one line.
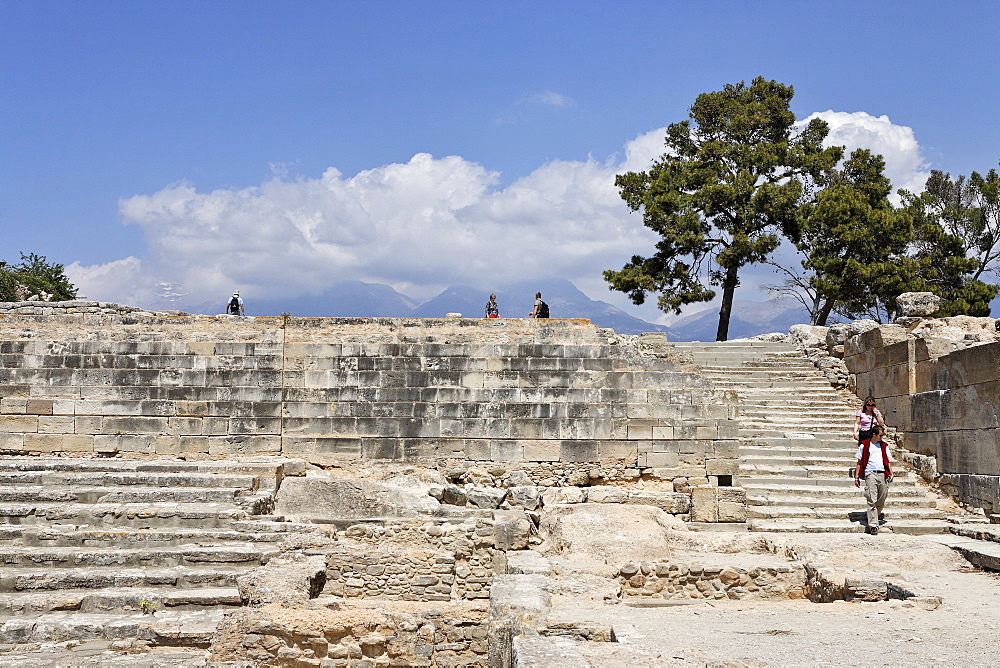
[(234, 306), (543, 310)]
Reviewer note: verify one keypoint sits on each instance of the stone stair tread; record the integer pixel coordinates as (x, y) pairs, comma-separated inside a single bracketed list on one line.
[(167, 507), (26, 579), (846, 502), (127, 478), (164, 627), (785, 512), (130, 494), (847, 487), (814, 525), (71, 535), (115, 597), (45, 557)]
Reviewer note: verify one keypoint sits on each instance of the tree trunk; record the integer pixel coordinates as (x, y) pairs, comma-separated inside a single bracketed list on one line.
[(728, 288), (824, 313)]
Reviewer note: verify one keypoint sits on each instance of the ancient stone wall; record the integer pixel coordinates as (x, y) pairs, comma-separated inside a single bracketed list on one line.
[(944, 399), (561, 396)]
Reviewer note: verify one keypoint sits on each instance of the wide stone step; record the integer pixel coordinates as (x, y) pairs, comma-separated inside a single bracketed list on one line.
[(71, 536), (763, 432), (268, 470), (832, 501), (130, 479), (914, 527), (828, 459), (982, 553), (180, 628), (118, 599), (845, 488), (802, 442), (54, 494), (857, 514), (799, 472), (22, 580), (183, 555), (815, 386), (135, 515)]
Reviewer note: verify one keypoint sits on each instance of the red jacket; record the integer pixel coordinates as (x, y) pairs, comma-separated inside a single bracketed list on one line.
[(863, 464)]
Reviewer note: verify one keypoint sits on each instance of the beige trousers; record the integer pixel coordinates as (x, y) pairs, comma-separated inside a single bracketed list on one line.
[(876, 489)]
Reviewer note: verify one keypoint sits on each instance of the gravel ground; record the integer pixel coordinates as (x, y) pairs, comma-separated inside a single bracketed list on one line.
[(962, 631)]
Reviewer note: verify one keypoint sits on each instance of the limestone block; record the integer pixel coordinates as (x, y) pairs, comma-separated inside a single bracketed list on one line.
[(19, 423), (55, 424), (485, 497), (511, 530), (58, 443), (578, 451), (524, 496), (626, 450), (704, 504), (918, 303), (719, 467), (541, 451), (658, 460), (556, 495), (38, 407), (674, 503), (11, 442), (507, 451), (13, 405), (606, 494)]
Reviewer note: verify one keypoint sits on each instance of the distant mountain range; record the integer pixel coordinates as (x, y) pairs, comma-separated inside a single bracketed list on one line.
[(565, 300)]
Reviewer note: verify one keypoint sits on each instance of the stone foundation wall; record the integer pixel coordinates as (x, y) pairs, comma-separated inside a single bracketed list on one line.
[(561, 396), (677, 581), (945, 402), (413, 560), (453, 637)]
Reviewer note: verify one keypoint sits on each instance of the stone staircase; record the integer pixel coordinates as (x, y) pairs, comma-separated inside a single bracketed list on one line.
[(113, 549), (796, 445)]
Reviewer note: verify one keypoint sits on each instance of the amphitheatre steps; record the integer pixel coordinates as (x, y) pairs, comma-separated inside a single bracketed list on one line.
[(796, 444), (117, 549)]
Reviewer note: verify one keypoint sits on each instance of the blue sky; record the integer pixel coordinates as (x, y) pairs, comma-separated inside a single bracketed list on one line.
[(271, 145)]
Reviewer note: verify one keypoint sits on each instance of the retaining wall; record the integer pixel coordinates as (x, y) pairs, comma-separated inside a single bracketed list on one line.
[(944, 401), (556, 393)]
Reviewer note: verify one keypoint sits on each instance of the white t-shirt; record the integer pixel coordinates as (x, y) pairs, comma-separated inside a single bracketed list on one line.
[(875, 464)]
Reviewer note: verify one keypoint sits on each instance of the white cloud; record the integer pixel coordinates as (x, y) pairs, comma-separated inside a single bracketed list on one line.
[(551, 99), (418, 226), (904, 164)]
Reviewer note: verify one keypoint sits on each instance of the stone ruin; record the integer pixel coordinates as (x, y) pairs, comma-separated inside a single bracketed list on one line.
[(353, 491)]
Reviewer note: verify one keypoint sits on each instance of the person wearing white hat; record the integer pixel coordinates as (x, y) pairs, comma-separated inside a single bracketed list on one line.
[(235, 306)]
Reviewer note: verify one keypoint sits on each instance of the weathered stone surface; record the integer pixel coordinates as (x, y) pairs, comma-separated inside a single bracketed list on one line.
[(607, 494), (527, 496), (606, 532), (511, 529), (486, 497), (809, 336), (289, 580), (918, 303), (556, 495), (320, 495)]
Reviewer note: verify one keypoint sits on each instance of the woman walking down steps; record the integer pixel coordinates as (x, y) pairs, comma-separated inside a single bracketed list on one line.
[(865, 420)]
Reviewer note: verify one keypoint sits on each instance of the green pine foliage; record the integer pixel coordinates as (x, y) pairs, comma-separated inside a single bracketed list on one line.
[(728, 187), (35, 275)]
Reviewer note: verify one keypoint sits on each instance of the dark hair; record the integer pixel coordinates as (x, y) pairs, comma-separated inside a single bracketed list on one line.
[(878, 429)]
